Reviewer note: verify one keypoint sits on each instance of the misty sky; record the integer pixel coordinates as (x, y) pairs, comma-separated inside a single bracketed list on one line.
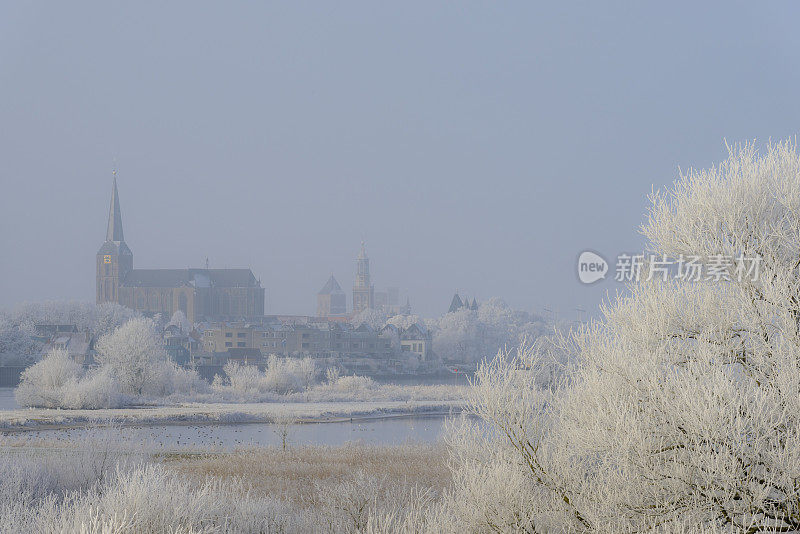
[(474, 146)]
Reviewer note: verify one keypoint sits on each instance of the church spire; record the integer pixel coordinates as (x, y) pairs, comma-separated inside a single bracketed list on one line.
[(114, 232)]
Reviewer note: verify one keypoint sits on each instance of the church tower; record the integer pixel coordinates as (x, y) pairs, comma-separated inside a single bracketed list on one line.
[(114, 259), (363, 290)]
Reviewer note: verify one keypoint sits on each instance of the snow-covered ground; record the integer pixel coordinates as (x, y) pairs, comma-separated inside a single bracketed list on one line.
[(36, 418)]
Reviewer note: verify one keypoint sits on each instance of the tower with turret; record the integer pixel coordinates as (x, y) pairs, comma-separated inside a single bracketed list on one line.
[(363, 290), (114, 259)]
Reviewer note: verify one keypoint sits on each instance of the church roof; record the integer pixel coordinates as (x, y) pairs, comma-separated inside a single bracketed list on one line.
[(114, 231), (330, 287), (190, 277), (455, 304)]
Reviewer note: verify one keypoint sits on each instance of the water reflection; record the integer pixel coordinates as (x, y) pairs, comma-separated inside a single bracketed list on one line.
[(391, 431)]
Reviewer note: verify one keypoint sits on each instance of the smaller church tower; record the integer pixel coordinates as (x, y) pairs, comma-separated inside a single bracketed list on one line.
[(114, 259), (363, 290)]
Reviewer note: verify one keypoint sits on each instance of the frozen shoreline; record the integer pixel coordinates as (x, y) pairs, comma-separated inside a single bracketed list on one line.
[(24, 419)]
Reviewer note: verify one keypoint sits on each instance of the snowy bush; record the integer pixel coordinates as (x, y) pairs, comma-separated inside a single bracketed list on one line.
[(346, 384), (281, 376), (45, 383), (133, 369), (95, 390), (683, 411), (98, 489)]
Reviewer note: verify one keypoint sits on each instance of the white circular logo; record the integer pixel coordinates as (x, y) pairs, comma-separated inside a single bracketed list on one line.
[(591, 267)]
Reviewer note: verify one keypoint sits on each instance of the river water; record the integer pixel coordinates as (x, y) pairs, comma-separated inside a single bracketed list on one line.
[(387, 431), (378, 431), (7, 400)]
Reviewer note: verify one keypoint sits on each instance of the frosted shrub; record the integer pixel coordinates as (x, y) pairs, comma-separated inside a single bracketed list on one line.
[(280, 376), (365, 503), (185, 381), (287, 375), (44, 384), (331, 375), (683, 413), (97, 389), (148, 499), (353, 383), (243, 378), (134, 369)]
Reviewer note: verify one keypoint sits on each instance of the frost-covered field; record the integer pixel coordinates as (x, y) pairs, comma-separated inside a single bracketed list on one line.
[(95, 487), (32, 418)]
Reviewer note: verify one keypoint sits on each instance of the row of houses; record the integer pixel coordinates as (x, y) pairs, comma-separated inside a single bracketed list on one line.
[(78, 344), (319, 339), (359, 349)]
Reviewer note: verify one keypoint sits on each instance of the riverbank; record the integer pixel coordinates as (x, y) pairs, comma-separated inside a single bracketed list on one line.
[(20, 420), (323, 489)]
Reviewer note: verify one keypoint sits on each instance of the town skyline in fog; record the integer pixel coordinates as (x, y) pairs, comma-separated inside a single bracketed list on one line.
[(474, 148)]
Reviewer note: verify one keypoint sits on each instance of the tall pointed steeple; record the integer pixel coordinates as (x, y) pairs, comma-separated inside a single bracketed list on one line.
[(114, 259), (114, 232)]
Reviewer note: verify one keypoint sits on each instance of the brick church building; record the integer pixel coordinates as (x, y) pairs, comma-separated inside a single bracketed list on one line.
[(201, 294)]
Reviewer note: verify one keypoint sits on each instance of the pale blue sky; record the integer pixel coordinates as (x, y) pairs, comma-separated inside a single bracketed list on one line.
[(475, 146)]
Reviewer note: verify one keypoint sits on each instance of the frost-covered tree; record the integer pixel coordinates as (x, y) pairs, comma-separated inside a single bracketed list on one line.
[(469, 335), (403, 321), (683, 413), (96, 318), (16, 346), (179, 319), (109, 316), (374, 318), (81, 314), (135, 355)]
